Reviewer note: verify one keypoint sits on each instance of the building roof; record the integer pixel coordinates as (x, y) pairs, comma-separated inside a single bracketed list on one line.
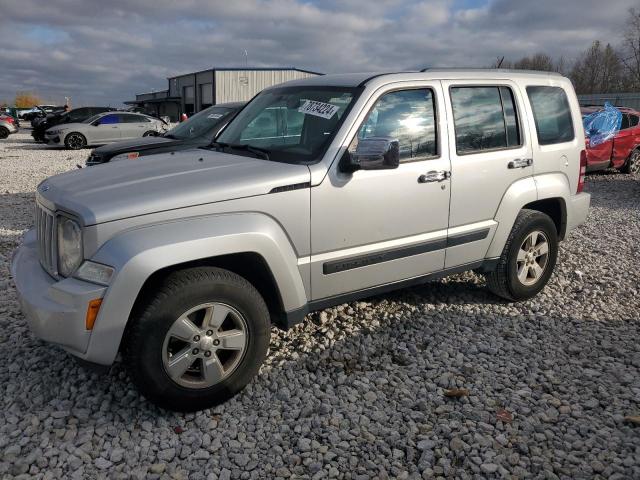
[(247, 69)]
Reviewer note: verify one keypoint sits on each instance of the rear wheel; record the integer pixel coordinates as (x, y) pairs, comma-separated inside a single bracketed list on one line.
[(4, 132), (632, 165), (528, 258), (150, 133), (199, 340), (75, 141)]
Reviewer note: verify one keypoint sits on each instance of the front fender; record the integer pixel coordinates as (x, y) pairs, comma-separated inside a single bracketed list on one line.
[(136, 254)]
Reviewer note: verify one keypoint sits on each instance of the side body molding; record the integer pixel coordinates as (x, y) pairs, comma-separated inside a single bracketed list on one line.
[(138, 253)]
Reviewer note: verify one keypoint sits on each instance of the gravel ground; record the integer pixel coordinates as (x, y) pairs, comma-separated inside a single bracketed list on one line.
[(358, 391)]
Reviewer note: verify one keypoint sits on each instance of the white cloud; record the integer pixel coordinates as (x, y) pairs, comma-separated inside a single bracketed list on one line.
[(105, 52)]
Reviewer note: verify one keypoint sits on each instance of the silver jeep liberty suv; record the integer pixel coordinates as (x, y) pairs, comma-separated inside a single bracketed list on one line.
[(319, 192)]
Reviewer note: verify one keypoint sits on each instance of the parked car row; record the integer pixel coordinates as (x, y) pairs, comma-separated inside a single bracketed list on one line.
[(41, 125)]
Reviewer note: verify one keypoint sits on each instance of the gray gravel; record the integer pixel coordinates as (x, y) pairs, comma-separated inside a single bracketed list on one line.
[(357, 391)]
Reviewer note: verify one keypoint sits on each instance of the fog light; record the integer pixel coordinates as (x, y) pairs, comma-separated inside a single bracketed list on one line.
[(95, 272), (92, 313)]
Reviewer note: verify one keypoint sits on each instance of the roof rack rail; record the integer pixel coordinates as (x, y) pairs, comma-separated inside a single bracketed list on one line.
[(477, 69)]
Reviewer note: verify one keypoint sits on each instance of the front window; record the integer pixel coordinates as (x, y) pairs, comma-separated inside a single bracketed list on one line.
[(202, 124), (291, 124)]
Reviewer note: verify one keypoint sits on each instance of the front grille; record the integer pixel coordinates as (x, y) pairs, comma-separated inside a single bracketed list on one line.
[(46, 228)]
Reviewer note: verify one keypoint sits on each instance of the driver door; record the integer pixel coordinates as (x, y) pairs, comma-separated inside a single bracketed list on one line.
[(107, 130), (376, 227)]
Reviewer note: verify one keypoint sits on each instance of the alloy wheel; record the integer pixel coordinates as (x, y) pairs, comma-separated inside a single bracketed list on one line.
[(533, 257), (634, 163), (205, 345)]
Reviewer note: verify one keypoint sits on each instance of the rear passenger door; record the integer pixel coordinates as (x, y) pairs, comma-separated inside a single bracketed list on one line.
[(489, 152), (133, 126)]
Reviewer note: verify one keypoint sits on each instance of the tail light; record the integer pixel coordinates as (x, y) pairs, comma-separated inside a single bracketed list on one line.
[(583, 170), (9, 119)]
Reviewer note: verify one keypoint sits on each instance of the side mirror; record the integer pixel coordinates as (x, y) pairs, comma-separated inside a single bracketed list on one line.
[(374, 153)]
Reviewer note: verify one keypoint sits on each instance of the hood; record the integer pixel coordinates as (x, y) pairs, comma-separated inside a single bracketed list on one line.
[(113, 191), (137, 144)]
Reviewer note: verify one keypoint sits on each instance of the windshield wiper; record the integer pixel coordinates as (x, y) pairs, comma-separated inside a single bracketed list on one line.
[(258, 152)]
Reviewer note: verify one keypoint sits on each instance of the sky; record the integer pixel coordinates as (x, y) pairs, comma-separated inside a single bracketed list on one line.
[(104, 52)]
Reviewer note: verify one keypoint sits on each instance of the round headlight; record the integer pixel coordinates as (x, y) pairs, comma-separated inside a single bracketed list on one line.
[(69, 246)]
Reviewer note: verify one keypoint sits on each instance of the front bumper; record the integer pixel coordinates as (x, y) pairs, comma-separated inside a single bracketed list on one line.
[(51, 138), (55, 309), (577, 210)]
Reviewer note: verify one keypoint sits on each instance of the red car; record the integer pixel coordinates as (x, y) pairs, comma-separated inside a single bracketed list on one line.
[(623, 150)]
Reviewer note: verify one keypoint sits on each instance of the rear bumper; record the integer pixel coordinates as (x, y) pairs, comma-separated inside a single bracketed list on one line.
[(577, 210), (10, 126), (55, 309)]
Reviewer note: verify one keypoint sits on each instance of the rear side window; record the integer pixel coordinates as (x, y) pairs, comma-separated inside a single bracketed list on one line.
[(485, 118), (552, 114)]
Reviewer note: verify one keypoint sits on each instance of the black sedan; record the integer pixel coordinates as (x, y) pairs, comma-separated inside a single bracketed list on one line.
[(199, 130)]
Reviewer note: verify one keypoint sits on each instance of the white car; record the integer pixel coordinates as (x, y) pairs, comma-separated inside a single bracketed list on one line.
[(105, 128)]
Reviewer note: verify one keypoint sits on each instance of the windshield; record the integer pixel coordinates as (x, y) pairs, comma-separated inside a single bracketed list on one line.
[(202, 124), (291, 124)]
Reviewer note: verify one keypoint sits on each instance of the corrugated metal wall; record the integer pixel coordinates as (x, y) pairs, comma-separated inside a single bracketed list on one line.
[(242, 85), (631, 100)]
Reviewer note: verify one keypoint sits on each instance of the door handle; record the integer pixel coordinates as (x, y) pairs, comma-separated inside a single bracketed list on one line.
[(434, 176), (520, 163)]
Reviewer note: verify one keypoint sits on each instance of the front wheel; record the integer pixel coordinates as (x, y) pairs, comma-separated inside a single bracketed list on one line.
[(199, 340), (632, 165), (75, 141), (528, 258), (150, 133)]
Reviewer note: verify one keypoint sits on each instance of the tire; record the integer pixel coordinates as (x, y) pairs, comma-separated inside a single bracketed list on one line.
[(505, 280), (152, 349), (632, 165), (4, 132), (150, 133), (75, 141)]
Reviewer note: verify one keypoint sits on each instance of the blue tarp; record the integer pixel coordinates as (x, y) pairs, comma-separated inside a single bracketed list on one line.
[(602, 125)]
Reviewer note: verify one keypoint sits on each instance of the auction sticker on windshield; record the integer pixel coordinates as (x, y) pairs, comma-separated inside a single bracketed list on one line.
[(318, 109)]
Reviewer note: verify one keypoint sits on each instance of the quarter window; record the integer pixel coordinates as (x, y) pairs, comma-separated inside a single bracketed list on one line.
[(485, 118), (407, 116), (552, 114)]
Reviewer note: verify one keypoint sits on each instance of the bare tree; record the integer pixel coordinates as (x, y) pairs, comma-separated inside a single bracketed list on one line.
[(631, 48), (598, 70)]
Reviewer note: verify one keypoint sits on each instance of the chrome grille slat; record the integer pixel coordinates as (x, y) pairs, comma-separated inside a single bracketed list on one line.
[(45, 228)]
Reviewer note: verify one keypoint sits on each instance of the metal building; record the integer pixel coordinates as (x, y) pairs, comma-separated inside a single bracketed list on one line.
[(631, 100), (192, 92)]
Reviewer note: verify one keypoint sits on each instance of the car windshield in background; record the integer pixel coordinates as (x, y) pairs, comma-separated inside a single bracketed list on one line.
[(92, 119), (202, 124), (290, 124)]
